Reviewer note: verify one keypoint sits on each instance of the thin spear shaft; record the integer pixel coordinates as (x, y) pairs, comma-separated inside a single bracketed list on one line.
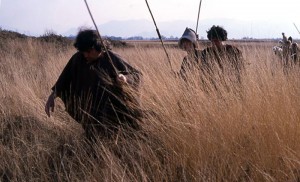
[(198, 16), (296, 28), (106, 50), (159, 36)]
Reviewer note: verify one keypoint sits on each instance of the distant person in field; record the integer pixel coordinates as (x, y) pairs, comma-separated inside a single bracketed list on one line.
[(222, 64), (290, 39), (286, 50), (295, 51), (292, 50), (284, 38), (97, 88), (222, 59), (188, 42)]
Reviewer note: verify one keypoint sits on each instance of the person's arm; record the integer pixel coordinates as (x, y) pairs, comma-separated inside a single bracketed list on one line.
[(50, 104), (183, 68), (132, 78), (240, 60), (64, 80), (61, 85), (126, 73)]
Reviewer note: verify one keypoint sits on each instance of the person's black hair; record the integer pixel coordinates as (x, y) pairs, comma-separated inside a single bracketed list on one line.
[(217, 32), (86, 40)]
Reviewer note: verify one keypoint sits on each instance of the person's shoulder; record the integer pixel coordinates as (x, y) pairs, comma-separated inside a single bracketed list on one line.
[(115, 56), (229, 46), (207, 49), (77, 55), (232, 48), (76, 58), (198, 50)]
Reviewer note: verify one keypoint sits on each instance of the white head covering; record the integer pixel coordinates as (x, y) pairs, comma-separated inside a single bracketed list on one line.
[(188, 34)]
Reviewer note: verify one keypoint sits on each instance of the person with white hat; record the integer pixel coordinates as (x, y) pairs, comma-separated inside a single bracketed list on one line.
[(188, 42)]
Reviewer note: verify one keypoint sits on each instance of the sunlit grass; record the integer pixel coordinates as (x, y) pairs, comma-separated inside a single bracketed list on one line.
[(188, 135)]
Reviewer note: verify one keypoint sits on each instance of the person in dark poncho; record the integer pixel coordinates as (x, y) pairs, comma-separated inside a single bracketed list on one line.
[(99, 89), (222, 63)]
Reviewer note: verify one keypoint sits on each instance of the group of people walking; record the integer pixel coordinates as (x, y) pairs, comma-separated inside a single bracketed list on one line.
[(218, 64), (99, 88), (289, 50)]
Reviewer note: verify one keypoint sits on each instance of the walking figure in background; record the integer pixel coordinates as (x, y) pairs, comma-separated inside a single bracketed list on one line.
[(97, 88), (188, 42), (286, 45), (294, 51), (290, 39), (284, 38), (220, 61), (288, 51)]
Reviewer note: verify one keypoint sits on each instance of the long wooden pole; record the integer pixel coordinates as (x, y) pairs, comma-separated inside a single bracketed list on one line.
[(159, 36), (198, 16), (297, 28)]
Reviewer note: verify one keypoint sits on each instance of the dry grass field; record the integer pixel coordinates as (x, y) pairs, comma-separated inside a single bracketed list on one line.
[(191, 135)]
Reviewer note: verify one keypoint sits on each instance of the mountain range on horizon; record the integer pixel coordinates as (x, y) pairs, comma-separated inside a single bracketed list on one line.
[(236, 29)]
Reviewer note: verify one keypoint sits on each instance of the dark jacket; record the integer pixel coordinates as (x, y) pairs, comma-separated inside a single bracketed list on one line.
[(227, 61), (226, 55), (214, 67), (190, 63), (93, 96), (222, 69)]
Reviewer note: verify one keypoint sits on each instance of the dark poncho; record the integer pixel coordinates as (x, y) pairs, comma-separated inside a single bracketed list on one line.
[(223, 67), (93, 97), (228, 58), (190, 63)]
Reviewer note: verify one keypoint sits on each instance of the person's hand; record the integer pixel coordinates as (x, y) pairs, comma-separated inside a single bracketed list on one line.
[(122, 78), (50, 104)]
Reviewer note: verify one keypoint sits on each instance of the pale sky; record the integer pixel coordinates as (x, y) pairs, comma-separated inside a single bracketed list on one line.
[(34, 17)]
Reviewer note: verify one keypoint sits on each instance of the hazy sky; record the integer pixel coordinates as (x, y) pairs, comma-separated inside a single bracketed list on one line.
[(36, 16)]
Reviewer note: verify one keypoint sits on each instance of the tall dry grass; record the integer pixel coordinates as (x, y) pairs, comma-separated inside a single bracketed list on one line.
[(191, 135)]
